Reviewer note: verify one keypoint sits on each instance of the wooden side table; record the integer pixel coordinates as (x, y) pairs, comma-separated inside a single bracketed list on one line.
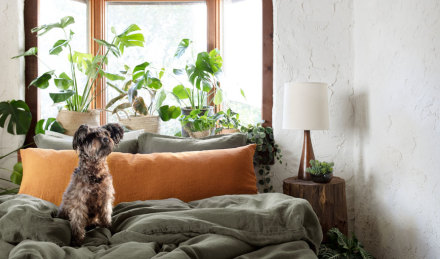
[(327, 200)]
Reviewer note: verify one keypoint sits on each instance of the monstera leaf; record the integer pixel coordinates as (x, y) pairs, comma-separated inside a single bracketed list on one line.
[(19, 116), (49, 124)]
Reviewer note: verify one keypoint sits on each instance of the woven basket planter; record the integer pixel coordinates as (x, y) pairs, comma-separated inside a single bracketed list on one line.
[(148, 123), (71, 120), (199, 134)]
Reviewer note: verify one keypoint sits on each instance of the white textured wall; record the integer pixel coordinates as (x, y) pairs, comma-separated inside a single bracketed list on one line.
[(397, 149), (11, 72), (313, 42)]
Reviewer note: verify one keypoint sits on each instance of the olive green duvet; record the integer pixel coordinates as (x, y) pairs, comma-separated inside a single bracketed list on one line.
[(232, 226)]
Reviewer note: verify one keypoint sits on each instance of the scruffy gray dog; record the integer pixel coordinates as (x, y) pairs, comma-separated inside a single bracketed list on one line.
[(88, 200)]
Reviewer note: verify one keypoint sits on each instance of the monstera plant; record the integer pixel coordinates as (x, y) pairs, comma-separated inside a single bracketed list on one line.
[(200, 81), (92, 66)]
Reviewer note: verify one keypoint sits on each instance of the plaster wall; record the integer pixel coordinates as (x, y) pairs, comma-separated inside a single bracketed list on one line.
[(313, 42), (397, 135), (11, 73)]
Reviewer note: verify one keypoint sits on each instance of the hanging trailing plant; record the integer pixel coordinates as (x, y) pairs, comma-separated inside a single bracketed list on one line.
[(266, 152)]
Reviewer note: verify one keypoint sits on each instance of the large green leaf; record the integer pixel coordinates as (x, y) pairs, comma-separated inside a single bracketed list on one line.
[(63, 82), (129, 39), (61, 97), (83, 62), (153, 83), (160, 98), (48, 124), (180, 92), (30, 52), (42, 81), (167, 113), (64, 22), (215, 61), (113, 77), (58, 47), (19, 116), (139, 70), (218, 97), (183, 45), (17, 173)]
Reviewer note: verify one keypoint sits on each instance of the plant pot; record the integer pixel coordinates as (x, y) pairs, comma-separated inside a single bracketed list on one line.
[(148, 123), (199, 134), (188, 110), (228, 131), (71, 120), (322, 178)]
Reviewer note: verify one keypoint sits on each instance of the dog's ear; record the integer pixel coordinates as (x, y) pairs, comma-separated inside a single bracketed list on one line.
[(80, 136), (116, 131)]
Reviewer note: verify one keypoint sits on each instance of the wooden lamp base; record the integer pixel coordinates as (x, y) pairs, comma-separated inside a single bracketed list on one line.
[(306, 156)]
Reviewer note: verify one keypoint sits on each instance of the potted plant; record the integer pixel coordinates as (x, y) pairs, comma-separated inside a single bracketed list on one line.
[(321, 172), (266, 153), (201, 82), (76, 102), (198, 124), (141, 110), (340, 246), (229, 123)]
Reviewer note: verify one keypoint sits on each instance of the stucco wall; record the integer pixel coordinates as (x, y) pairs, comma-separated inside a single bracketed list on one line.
[(11, 72), (397, 149), (313, 42)]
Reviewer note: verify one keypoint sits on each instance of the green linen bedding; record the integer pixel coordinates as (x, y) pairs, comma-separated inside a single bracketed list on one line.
[(232, 226)]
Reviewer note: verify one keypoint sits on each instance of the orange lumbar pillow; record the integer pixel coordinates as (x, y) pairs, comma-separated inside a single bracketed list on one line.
[(187, 175)]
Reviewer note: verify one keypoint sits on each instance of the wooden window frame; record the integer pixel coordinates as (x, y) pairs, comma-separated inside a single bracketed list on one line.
[(97, 30)]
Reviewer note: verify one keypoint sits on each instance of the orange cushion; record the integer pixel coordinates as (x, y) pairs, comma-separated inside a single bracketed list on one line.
[(187, 175)]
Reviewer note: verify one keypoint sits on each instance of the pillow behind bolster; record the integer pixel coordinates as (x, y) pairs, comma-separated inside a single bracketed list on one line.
[(154, 143), (187, 175)]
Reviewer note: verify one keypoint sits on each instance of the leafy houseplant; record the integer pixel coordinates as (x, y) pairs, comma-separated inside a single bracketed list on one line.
[(340, 246), (321, 172), (202, 76), (92, 66), (142, 79), (197, 125), (229, 123), (266, 152)]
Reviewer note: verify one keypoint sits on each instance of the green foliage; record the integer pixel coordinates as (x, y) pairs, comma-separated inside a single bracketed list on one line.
[(229, 120), (320, 168), (48, 124), (198, 120), (339, 246), (266, 152), (19, 116), (141, 79), (202, 75), (91, 66)]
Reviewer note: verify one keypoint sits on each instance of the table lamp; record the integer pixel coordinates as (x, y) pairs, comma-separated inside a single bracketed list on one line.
[(305, 108)]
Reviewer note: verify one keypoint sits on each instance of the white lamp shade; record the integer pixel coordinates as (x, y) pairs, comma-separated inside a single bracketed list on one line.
[(305, 106)]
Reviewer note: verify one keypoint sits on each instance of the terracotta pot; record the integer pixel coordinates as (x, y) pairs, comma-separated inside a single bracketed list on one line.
[(148, 123), (322, 178), (188, 110), (71, 120), (228, 131)]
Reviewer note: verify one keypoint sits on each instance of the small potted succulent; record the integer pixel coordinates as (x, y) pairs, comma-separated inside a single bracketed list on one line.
[(321, 172), (199, 124), (229, 123)]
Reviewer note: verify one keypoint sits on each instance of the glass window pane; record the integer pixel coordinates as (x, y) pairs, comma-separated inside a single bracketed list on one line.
[(51, 11), (242, 57), (163, 24)]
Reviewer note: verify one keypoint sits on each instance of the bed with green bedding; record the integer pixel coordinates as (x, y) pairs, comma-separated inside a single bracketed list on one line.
[(231, 226)]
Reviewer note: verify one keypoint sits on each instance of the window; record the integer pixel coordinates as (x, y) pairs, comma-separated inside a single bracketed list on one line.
[(236, 27)]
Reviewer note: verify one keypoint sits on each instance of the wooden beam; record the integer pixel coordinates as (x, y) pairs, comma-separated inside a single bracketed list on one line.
[(267, 62), (31, 64)]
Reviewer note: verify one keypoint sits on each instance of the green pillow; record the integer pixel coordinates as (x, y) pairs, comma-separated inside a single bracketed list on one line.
[(51, 142), (153, 143)]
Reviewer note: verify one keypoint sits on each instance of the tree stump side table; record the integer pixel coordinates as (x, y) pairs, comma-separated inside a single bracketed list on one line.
[(327, 199)]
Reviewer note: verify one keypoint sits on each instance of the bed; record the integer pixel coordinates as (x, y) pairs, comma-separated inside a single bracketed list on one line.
[(202, 223)]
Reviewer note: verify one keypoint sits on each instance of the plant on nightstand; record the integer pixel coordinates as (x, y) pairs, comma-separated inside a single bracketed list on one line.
[(321, 172)]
